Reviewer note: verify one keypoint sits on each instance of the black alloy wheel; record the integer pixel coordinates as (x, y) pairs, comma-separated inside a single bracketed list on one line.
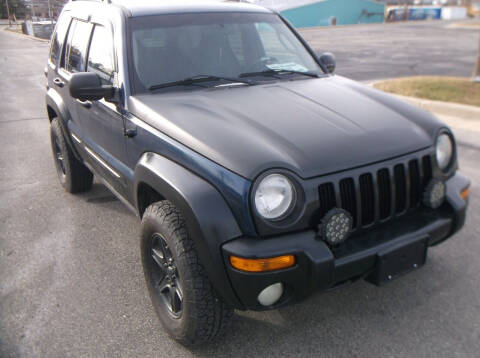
[(166, 276)]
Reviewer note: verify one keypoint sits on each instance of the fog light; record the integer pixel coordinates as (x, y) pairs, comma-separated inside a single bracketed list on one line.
[(434, 195), (271, 294), (335, 227)]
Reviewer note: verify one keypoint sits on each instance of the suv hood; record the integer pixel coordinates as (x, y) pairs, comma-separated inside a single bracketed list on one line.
[(311, 127)]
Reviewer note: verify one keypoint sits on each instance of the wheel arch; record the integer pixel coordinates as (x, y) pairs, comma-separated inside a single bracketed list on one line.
[(145, 196), (51, 113), (208, 218), (56, 108)]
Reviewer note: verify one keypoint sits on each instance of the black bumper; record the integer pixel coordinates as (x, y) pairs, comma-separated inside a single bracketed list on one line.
[(318, 267)]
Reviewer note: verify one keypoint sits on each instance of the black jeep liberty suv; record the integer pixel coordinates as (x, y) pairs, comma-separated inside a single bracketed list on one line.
[(259, 176)]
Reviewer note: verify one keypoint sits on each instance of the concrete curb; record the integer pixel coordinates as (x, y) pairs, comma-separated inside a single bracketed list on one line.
[(465, 26), (464, 120), (449, 109), (446, 23), (446, 108), (25, 36)]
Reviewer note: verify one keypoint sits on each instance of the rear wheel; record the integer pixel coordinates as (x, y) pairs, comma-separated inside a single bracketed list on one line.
[(73, 175), (180, 290)]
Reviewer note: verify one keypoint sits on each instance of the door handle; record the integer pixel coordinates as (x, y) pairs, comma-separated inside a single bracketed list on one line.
[(58, 82), (86, 104)]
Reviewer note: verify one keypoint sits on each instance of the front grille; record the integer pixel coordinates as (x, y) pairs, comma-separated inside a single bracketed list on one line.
[(327, 198), (400, 188), (384, 193), (378, 195), (348, 197)]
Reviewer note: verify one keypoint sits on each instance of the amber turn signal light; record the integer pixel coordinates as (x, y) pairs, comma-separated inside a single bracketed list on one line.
[(262, 265), (464, 194)]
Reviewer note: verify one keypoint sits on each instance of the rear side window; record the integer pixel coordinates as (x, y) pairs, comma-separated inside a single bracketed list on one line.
[(100, 55), (77, 44), (59, 37)]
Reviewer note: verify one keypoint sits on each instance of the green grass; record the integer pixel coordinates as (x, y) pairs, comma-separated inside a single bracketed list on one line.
[(447, 89)]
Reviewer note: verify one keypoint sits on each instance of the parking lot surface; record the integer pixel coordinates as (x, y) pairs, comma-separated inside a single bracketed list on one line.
[(71, 282)]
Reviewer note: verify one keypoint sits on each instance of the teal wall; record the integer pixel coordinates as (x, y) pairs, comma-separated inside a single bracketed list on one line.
[(346, 11)]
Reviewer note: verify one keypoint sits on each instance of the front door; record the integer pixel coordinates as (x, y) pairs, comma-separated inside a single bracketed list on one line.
[(103, 128)]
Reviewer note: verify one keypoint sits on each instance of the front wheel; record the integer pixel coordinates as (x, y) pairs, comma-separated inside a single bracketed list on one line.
[(179, 288)]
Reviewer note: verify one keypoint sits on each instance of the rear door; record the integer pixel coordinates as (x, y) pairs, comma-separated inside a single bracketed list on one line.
[(73, 60), (56, 47)]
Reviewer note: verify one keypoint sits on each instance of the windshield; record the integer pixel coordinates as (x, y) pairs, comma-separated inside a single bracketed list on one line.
[(168, 49)]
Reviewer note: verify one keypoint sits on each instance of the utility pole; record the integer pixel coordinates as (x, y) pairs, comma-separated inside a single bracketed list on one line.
[(50, 12), (406, 10), (33, 10), (8, 14), (476, 71)]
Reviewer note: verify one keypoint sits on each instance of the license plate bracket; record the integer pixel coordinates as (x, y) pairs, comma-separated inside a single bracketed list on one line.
[(398, 260)]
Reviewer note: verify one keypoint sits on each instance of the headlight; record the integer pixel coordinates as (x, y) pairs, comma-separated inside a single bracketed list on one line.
[(274, 196), (444, 151)]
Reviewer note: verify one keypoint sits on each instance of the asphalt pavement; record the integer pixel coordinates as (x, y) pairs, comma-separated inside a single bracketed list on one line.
[(71, 282)]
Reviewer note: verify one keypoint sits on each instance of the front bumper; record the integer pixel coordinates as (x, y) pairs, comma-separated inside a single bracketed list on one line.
[(318, 267)]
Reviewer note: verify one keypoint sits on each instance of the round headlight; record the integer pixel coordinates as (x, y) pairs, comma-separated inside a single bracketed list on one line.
[(444, 151), (274, 196)]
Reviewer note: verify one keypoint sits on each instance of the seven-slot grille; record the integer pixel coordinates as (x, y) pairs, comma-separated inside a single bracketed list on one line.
[(373, 197)]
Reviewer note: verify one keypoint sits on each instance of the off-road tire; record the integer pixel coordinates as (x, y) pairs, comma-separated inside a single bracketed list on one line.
[(73, 175), (204, 317)]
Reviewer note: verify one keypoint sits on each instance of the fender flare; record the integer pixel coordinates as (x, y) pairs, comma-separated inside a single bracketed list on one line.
[(209, 220), (55, 101)]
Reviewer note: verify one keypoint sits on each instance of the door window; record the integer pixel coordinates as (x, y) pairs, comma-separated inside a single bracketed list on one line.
[(77, 43), (59, 37), (100, 57)]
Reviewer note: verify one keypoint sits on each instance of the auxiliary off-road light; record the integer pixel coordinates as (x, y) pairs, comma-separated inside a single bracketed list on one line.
[(271, 294), (262, 265), (434, 194), (335, 226)]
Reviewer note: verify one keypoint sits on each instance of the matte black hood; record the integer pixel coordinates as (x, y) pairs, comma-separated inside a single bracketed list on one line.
[(311, 126)]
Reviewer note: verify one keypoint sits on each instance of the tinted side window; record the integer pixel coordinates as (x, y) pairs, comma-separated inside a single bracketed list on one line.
[(78, 39), (100, 56), (59, 37)]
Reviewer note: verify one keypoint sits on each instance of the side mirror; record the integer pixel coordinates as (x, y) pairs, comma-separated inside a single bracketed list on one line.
[(327, 59), (87, 86)]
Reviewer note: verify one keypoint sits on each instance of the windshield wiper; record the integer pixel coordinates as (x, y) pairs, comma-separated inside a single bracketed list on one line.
[(274, 73), (191, 81)]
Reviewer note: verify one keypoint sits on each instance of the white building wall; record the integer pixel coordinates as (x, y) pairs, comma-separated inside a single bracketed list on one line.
[(454, 13)]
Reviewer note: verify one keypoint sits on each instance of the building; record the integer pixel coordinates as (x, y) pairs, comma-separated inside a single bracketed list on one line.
[(308, 13)]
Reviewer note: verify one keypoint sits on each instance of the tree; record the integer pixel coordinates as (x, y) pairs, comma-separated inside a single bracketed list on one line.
[(16, 7)]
